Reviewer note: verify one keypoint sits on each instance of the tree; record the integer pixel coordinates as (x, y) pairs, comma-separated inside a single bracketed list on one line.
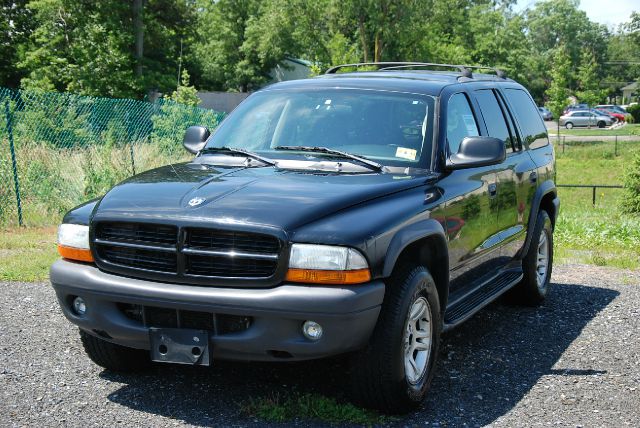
[(554, 23), (558, 92), (589, 90), (631, 201), (89, 47), (16, 25), (79, 46), (184, 93), (226, 62)]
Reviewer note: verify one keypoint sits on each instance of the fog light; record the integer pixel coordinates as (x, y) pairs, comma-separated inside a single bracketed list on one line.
[(79, 306), (312, 330)]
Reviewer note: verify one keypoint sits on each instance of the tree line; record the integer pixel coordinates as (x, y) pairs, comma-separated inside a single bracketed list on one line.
[(127, 48)]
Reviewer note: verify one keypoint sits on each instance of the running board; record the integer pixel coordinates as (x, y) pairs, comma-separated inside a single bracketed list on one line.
[(466, 307)]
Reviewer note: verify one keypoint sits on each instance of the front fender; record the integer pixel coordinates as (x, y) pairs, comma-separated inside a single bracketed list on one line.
[(82, 213), (407, 236)]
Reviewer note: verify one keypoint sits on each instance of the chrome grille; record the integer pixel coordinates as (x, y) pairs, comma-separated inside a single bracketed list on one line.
[(186, 254)]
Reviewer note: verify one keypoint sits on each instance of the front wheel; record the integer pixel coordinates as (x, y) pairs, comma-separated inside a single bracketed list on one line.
[(568, 125), (601, 124), (394, 372)]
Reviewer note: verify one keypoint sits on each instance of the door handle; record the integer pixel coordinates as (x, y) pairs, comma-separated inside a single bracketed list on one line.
[(493, 190), (533, 177)]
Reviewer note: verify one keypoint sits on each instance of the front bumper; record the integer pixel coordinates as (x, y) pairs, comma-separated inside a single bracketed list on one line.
[(347, 314)]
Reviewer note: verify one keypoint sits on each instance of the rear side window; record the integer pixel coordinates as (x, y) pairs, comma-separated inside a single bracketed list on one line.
[(460, 121), (494, 117), (533, 129)]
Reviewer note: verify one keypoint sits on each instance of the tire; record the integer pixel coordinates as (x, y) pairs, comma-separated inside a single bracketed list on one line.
[(568, 125), (114, 357), (533, 288), (381, 376), (601, 124)]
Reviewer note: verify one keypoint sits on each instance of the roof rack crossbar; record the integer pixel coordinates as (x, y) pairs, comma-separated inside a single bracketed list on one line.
[(465, 70)]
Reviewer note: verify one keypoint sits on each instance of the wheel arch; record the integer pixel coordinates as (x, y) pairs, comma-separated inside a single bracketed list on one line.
[(545, 198), (425, 244)]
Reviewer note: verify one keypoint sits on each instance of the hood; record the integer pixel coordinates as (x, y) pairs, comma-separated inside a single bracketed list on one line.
[(283, 199)]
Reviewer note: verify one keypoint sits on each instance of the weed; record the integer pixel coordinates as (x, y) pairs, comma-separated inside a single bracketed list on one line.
[(598, 259), (276, 408)]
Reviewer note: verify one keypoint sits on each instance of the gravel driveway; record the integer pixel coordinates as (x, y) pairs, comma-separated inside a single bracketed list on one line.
[(573, 362)]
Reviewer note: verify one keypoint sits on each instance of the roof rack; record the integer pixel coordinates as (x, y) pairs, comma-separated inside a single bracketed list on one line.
[(465, 70)]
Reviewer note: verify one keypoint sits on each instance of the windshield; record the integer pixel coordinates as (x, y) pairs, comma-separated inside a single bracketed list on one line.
[(391, 128)]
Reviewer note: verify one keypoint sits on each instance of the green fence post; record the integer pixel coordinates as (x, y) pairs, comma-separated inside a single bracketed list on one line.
[(133, 162), (16, 182), (616, 149)]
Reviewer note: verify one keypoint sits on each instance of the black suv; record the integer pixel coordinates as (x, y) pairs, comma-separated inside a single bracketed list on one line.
[(360, 213)]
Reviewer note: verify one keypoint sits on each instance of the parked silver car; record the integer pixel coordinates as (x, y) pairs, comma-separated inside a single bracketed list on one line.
[(545, 113), (585, 118)]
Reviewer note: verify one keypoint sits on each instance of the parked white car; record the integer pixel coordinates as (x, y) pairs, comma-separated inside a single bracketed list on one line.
[(585, 118)]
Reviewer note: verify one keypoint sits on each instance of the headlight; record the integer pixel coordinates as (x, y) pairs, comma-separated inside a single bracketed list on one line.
[(73, 242), (324, 264)]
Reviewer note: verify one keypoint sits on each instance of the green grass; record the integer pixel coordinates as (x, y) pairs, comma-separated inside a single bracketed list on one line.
[(629, 129), (599, 235), (26, 254), (317, 407)]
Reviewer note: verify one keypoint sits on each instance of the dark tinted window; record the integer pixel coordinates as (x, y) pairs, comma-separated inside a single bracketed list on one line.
[(460, 121), (533, 129), (494, 117)]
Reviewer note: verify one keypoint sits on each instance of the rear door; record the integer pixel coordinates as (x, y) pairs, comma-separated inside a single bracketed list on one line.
[(531, 150), (582, 118)]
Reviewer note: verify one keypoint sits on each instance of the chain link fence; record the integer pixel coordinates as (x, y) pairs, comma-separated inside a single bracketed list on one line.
[(59, 149)]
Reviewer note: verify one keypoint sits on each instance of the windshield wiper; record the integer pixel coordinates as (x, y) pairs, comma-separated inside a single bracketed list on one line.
[(243, 152), (369, 163)]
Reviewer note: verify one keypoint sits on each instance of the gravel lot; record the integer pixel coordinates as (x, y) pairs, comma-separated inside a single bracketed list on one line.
[(573, 362)]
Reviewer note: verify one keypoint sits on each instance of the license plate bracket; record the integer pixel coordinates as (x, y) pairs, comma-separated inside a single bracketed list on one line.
[(180, 346)]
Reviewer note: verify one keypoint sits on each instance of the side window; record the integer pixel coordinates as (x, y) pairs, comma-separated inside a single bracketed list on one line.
[(494, 117), (533, 129), (460, 121)]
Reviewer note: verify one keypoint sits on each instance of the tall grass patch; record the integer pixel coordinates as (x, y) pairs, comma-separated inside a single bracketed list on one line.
[(600, 234)]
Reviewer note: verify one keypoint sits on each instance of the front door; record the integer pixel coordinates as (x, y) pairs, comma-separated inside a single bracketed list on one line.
[(472, 229)]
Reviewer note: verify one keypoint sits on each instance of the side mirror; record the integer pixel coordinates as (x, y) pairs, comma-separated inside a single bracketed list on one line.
[(195, 138), (477, 151)]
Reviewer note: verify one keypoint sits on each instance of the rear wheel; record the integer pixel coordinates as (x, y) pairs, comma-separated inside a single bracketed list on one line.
[(568, 125), (114, 357), (394, 372), (601, 124), (537, 264)]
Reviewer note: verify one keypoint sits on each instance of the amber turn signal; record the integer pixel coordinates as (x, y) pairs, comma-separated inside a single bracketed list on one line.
[(78, 254), (335, 277)]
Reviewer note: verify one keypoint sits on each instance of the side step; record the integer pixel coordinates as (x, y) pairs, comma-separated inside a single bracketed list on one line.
[(464, 308)]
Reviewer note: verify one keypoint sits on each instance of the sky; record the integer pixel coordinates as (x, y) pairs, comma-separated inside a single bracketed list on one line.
[(608, 12)]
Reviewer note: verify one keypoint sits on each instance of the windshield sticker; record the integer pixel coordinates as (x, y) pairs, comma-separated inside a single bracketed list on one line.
[(405, 153)]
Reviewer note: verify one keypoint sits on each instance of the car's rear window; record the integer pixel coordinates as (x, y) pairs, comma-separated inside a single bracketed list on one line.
[(531, 124), (392, 128)]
